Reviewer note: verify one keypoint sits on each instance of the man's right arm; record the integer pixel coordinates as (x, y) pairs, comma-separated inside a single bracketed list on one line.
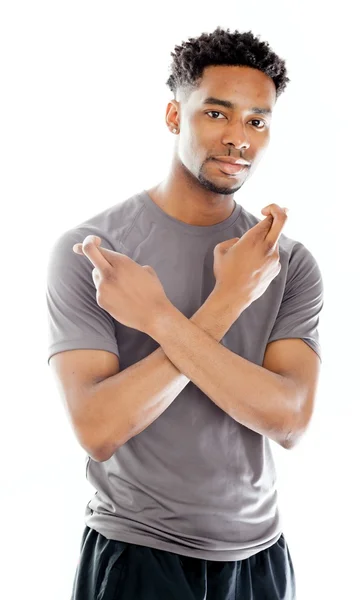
[(121, 406)]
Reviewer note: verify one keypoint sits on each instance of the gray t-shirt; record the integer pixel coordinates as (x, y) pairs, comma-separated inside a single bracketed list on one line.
[(194, 482)]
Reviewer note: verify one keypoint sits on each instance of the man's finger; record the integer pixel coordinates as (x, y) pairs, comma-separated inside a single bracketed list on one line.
[(92, 250), (279, 220), (263, 227)]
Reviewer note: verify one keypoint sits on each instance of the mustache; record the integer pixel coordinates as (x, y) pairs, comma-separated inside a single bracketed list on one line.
[(230, 152)]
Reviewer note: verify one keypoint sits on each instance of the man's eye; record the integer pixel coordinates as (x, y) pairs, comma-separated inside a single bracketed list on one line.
[(258, 121), (214, 112)]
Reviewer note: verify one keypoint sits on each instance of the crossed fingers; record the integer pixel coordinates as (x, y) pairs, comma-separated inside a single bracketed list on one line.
[(279, 219), (99, 257)]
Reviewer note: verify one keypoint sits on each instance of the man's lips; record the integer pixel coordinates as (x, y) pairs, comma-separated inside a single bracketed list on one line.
[(232, 160), (229, 167)]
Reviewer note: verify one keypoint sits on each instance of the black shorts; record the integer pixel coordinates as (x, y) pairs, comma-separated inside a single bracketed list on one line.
[(112, 570)]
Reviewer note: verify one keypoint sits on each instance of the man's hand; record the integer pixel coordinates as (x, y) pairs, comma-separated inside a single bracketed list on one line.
[(132, 294), (244, 267)]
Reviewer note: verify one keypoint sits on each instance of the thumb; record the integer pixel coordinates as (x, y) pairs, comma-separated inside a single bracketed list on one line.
[(223, 247)]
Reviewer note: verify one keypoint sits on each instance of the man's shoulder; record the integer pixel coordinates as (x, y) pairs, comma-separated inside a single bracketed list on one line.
[(110, 224)]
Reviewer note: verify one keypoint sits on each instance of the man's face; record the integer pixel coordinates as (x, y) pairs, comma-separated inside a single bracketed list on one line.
[(210, 130)]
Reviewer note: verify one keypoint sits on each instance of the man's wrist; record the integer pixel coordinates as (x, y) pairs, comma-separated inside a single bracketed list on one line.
[(223, 312), (221, 303), (162, 319), (215, 316)]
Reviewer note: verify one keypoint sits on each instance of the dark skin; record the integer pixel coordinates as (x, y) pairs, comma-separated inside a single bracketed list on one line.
[(195, 190), (277, 398)]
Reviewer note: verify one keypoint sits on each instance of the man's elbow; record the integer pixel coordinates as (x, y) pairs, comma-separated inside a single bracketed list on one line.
[(292, 438), (288, 443)]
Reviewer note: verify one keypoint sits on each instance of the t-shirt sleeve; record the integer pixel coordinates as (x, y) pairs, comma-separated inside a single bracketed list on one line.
[(303, 299), (75, 320)]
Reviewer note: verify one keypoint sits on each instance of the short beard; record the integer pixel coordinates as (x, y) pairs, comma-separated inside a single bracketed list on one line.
[(212, 187)]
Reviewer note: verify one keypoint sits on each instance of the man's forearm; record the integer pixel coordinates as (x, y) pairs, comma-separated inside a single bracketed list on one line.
[(125, 404), (252, 395)]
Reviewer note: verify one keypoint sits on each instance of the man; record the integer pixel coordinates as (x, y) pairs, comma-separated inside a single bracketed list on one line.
[(183, 334)]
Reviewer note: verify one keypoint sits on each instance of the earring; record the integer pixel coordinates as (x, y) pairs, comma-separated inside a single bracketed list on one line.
[(174, 130)]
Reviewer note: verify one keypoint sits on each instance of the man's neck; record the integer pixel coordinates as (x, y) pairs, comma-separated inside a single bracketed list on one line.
[(189, 206)]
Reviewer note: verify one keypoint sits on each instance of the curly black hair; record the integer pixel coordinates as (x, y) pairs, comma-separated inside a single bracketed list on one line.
[(223, 48)]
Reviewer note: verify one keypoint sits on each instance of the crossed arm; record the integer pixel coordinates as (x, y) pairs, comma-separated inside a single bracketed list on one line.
[(275, 400)]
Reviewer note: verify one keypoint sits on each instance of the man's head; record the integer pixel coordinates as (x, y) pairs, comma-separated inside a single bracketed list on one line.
[(247, 77)]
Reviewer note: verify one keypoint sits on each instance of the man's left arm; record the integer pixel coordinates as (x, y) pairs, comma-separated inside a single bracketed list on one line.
[(275, 400)]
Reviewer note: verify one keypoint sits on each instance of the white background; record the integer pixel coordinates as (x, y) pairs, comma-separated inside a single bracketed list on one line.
[(82, 93)]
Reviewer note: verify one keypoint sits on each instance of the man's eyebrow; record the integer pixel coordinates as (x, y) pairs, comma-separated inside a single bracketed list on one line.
[(228, 104)]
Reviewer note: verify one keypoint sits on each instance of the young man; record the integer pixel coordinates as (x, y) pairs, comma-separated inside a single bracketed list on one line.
[(184, 343)]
